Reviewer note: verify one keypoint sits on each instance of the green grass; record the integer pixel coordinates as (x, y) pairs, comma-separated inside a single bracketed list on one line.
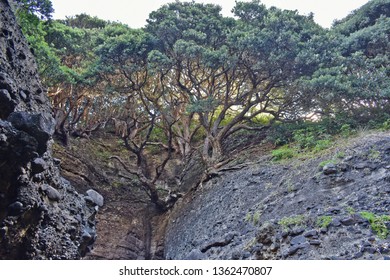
[(325, 162), (324, 221), (297, 220), (322, 145), (283, 153), (377, 223), (340, 155), (255, 218)]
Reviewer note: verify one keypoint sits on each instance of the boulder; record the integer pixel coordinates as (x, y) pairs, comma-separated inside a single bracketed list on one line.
[(40, 126), (329, 169), (51, 193), (38, 165), (96, 197)]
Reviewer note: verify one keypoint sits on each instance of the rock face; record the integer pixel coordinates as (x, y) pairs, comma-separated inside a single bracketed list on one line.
[(124, 219), (41, 215), (295, 210)]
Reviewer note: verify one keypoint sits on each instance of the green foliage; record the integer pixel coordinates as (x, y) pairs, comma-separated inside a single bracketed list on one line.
[(292, 221), (101, 153), (346, 130), (283, 153), (355, 74), (305, 137), (378, 223), (42, 8), (363, 17), (85, 21), (312, 138), (322, 145), (385, 125), (281, 134), (256, 218), (248, 217), (202, 106), (324, 221)]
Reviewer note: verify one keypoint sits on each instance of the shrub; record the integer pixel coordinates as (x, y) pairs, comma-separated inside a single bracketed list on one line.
[(256, 218), (346, 130), (305, 139), (350, 210), (283, 153), (281, 134), (340, 155)]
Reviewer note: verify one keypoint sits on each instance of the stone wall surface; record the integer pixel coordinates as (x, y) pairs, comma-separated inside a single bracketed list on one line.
[(41, 214)]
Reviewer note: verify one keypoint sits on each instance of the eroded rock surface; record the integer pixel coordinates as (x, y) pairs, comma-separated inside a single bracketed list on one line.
[(294, 210)]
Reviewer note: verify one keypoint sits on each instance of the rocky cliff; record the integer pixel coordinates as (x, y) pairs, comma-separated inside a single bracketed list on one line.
[(41, 214), (330, 206)]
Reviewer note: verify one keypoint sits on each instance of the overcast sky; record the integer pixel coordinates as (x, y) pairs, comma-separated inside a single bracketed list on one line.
[(135, 12)]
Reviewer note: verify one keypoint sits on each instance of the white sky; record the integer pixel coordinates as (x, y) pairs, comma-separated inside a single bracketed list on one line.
[(135, 12)]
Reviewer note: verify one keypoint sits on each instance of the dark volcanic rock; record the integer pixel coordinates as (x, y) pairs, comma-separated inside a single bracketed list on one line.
[(96, 197), (40, 126), (51, 193), (38, 165), (7, 105), (41, 215), (329, 168), (319, 220), (298, 240)]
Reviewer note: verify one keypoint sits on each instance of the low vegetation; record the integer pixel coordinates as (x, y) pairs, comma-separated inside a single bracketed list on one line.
[(324, 221), (378, 223), (292, 221)]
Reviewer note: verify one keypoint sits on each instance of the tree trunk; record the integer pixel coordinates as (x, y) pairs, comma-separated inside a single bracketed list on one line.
[(212, 150), (217, 151)]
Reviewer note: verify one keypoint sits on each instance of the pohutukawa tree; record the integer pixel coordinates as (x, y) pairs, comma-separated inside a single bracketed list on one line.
[(231, 71)]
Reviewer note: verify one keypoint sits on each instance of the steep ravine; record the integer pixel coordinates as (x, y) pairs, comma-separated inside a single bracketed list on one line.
[(291, 210), (41, 215)]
